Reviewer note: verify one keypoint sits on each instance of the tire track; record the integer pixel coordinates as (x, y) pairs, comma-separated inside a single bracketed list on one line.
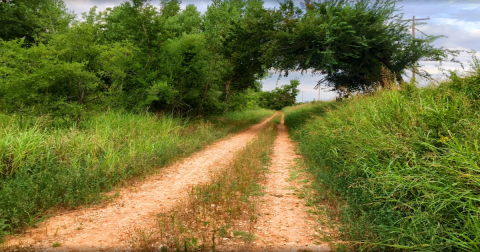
[(284, 225), (110, 228)]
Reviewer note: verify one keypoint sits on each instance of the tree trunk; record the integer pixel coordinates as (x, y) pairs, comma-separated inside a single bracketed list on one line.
[(200, 110), (79, 116), (149, 46), (227, 94), (400, 79)]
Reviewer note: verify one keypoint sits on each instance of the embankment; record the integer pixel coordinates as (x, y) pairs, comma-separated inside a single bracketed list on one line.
[(402, 167)]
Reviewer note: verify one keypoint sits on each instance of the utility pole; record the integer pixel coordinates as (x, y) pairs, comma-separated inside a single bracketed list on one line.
[(302, 96), (318, 93), (413, 35)]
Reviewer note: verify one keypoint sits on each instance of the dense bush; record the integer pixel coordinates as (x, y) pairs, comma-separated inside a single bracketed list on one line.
[(135, 56), (404, 162), (140, 57), (280, 97)]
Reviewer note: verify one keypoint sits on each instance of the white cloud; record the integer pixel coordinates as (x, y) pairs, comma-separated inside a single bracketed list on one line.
[(470, 7), (82, 6)]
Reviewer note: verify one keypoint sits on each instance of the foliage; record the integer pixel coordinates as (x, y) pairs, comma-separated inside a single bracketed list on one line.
[(248, 99), (46, 163), (35, 21), (140, 57), (54, 79), (237, 29), (58, 76), (276, 99), (134, 56), (405, 163), (280, 97), (349, 42)]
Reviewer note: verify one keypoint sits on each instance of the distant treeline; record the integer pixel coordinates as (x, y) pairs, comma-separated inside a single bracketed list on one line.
[(141, 57)]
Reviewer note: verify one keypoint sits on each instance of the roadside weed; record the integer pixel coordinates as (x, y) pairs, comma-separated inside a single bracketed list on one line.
[(47, 164), (401, 165), (222, 209)]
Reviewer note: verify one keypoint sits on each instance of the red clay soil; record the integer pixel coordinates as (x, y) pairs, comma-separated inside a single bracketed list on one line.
[(111, 227), (284, 224)]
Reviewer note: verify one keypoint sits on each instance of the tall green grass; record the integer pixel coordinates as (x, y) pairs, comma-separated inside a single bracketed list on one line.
[(56, 166), (405, 163)]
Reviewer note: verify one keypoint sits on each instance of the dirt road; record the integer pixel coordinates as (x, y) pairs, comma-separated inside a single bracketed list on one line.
[(111, 227), (284, 225)]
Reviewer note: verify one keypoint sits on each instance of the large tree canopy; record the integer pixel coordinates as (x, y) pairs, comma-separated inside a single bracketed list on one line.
[(141, 57), (36, 21), (348, 42)]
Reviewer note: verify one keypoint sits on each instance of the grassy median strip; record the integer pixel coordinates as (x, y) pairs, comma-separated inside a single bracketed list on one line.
[(224, 208), (45, 165)]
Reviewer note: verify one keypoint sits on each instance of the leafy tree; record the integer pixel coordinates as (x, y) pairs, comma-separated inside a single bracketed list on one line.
[(170, 8), (247, 99), (188, 21), (349, 42), (184, 59), (238, 29), (138, 23), (141, 57), (280, 97), (35, 21), (71, 76)]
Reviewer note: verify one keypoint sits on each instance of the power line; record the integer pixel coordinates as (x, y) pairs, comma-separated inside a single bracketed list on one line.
[(445, 6), (453, 18), (418, 5), (448, 5)]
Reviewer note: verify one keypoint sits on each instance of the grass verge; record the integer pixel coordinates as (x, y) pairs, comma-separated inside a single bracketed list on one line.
[(325, 212), (45, 166), (224, 208), (402, 166)]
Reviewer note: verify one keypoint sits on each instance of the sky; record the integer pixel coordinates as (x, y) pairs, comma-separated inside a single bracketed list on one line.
[(458, 20)]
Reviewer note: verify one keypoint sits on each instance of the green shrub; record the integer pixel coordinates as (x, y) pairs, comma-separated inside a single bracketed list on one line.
[(43, 167), (406, 164)]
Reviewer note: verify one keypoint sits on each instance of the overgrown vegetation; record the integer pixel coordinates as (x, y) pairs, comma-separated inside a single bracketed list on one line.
[(405, 164), (225, 207), (140, 57), (356, 45), (148, 66), (135, 56), (45, 166)]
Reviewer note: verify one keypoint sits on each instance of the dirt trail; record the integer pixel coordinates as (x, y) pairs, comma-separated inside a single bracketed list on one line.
[(111, 227), (284, 225)]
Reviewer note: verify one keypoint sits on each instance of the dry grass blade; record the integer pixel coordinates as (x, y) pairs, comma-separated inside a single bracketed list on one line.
[(224, 209)]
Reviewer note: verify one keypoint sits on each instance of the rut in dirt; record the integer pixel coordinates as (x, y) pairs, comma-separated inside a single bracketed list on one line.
[(284, 224), (111, 227)]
